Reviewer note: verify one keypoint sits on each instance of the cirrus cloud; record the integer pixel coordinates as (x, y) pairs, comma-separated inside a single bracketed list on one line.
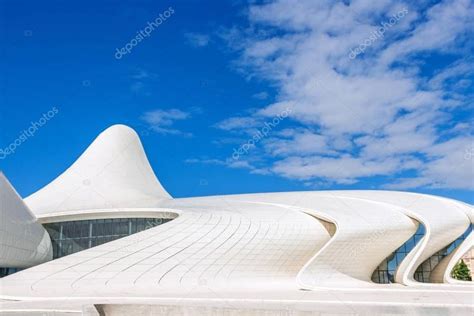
[(162, 121), (390, 112)]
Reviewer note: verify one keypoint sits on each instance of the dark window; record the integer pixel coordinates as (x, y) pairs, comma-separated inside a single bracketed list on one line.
[(8, 271), (423, 272), (73, 236), (389, 266), (385, 272)]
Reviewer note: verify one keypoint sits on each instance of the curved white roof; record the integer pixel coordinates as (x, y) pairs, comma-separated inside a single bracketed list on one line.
[(234, 244), (113, 172)]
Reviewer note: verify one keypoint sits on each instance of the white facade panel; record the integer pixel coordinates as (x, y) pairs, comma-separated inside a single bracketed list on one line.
[(23, 242)]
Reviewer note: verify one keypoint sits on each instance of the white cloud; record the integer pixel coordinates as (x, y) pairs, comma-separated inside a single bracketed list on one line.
[(141, 74), (302, 143), (205, 161), (230, 163), (141, 78), (344, 169), (376, 115), (237, 123), (261, 95), (451, 166), (463, 69), (197, 39), (445, 23), (161, 121)]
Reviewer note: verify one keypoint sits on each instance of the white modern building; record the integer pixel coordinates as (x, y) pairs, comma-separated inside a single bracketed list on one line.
[(105, 237)]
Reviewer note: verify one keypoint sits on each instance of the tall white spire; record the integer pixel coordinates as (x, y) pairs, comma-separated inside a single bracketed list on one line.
[(113, 172)]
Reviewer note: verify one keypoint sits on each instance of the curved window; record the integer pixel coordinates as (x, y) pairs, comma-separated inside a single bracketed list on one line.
[(73, 236), (423, 272), (385, 272)]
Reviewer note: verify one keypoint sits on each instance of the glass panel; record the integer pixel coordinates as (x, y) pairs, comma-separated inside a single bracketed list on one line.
[(423, 272), (73, 236), (385, 272)]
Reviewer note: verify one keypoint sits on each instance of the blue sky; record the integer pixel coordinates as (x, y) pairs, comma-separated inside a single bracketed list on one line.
[(313, 96)]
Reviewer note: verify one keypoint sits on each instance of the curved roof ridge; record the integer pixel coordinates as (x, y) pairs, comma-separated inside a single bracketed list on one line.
[(113, 172)]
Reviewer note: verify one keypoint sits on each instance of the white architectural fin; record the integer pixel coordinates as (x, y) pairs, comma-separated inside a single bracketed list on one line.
[(113, 172), (24, 242)]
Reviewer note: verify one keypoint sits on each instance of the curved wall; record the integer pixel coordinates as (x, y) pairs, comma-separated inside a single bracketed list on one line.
[(24, 242), (463, 248), (386, 271), (113, 172), (215, 243), (442, 272), (366, 233), (444, 220), (271, 241)]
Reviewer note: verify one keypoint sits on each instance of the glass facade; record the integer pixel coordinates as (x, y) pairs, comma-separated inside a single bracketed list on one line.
[(423, 272), (73, 236), (7, 271), (385, 272)]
